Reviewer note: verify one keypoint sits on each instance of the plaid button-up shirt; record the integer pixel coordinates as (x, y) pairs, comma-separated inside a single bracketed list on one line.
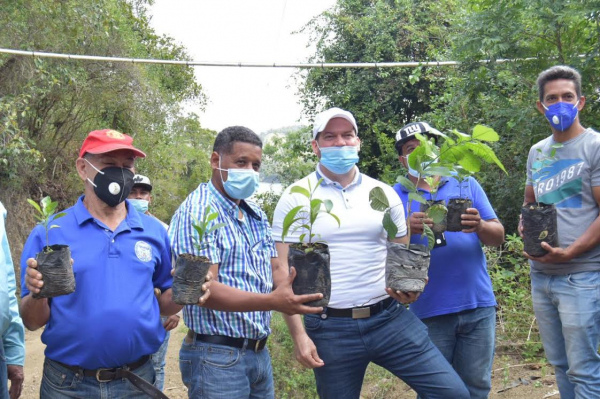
[(243, 250)]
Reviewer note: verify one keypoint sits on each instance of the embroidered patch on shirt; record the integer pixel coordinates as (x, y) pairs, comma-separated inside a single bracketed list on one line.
[(143, 251)]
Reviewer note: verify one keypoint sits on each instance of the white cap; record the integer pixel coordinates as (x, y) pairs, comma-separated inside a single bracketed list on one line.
[(322, 119), (141, 180)]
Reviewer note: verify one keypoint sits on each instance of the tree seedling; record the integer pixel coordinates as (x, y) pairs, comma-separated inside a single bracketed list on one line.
[(45, 216), (307, 217)]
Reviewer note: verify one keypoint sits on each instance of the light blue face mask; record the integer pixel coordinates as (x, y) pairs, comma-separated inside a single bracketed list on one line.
[(140, 205), (339, 160), (414, 172), (241, 183)]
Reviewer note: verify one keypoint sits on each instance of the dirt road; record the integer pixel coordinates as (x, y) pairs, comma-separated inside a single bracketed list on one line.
[(512, 380)]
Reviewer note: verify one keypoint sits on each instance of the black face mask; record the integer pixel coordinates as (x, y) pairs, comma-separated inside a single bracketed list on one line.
[(112, 184)]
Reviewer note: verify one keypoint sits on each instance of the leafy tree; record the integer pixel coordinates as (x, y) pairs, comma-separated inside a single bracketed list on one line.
[(48, 106), (503, 95)]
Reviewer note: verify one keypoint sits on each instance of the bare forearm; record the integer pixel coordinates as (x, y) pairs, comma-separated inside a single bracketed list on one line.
[(34, 312), (295, 325), (491, 233), (588, 240), (230, 299), (166, 304)]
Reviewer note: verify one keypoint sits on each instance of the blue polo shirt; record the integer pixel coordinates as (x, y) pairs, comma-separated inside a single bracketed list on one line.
[(113, 317), (458, 277)]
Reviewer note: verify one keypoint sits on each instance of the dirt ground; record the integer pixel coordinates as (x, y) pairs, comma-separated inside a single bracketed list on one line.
[(510, 380)]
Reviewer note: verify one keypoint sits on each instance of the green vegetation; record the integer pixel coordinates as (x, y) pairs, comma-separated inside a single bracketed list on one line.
[(45, 211), (307, 215), (202, 227)]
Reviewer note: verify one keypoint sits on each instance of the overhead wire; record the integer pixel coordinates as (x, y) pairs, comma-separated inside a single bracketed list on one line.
[(408, 64)]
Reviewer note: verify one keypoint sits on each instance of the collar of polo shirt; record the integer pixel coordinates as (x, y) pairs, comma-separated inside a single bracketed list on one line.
[(328, 182)]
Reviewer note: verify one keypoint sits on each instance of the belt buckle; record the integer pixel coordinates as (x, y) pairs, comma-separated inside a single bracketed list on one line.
[(98, 375), (361, 313), (257, 345)]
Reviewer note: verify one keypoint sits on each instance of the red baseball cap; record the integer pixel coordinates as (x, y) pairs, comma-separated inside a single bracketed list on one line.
[(107, 140)]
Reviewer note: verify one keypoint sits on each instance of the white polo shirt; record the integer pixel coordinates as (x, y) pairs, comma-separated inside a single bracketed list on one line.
[(358, 247)]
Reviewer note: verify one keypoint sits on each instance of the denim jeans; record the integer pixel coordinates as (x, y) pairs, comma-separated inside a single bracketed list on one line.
[(159, 359), (224, 372), (60, 382), (394, 339), (467, 341), (3, 374), (567, 309)]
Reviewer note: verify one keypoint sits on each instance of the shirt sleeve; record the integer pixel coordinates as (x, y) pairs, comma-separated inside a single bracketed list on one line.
[(162, 278), (13, 339), (481, 201)]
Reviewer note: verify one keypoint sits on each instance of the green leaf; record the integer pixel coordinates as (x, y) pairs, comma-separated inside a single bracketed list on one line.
[(212, 217), (289, 219), (437, 212), (35, 205), (484, 152), (337, 219), (417, 197), (215, 227), (485, 133), (378, 199), (315, 207), (406, 183), (58, 216), (328, 205), (430, 236), (300, 190), (57, 227), (301, 238), (470, 162), (389, 226)]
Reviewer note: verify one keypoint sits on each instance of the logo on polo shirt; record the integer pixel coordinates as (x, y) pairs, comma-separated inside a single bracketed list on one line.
[(143, 251)]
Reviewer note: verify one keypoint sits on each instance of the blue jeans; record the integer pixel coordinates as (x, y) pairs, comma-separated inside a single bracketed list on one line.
[(567, 309), (467, 341), (394, 339), (159, 359), (224, 372), (59, 382), (3, 374)]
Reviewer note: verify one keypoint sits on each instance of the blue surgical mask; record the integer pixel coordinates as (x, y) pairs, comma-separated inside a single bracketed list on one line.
[(241, 183), (339, 160), (140, 205), (561, 115)]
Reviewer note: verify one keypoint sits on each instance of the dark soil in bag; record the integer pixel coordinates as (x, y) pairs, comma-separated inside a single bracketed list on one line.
[(190, 274), (439, 227), (406, 267), (312, 272), (57, 272), (456, 208), (539, 225)]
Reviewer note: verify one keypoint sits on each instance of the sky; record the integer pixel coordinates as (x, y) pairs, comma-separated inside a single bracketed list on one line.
[(243, 31)]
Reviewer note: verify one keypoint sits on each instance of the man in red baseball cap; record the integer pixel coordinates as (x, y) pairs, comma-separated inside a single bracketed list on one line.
[(105, 331)]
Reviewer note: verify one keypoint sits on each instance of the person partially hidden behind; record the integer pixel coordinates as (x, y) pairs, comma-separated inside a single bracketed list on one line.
[(141, 198)]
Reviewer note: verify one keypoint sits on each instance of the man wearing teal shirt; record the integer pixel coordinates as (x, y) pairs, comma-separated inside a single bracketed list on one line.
[(12, 350)]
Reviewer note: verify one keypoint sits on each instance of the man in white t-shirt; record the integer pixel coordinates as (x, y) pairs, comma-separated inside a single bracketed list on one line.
[(365, 321)]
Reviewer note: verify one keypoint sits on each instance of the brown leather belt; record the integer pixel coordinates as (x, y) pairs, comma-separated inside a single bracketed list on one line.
[(360, 312), (255, 345), (123, 372)]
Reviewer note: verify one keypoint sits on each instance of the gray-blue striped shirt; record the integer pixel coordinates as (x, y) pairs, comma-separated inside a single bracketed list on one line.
[(243, 249)]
